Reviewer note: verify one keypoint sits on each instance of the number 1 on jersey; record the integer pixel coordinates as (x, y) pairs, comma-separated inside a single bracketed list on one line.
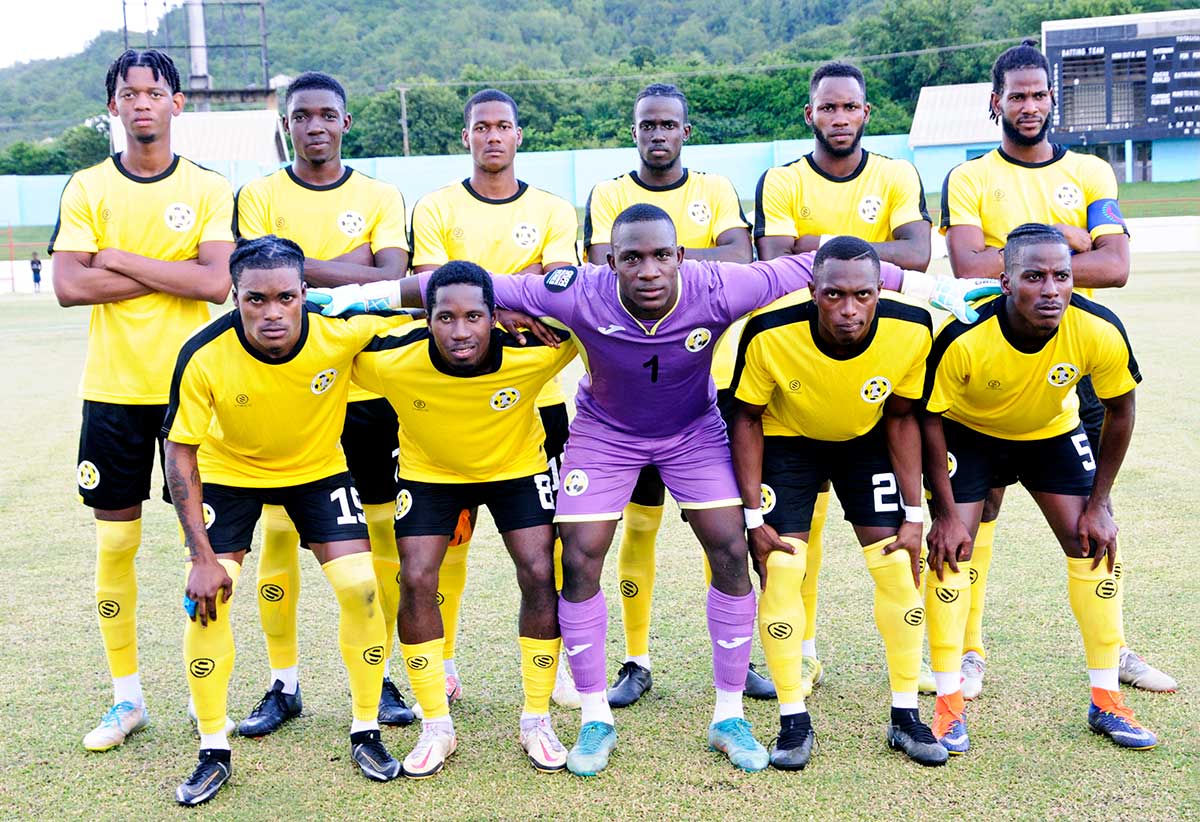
[(652, 364)]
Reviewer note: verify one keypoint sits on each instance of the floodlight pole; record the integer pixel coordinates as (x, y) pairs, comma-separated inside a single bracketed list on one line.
[(404, 117)]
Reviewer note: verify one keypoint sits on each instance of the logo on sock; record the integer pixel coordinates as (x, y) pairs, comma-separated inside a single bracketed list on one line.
[(1117, 570), (578, 649), (271, 592), (418, 663), (108, 608), (915, 616), (779, 630), (946, 595), (201, 667), (973, 574), (736, 642), (629, 588), (373, 655), (439, 598), (543, 661), (1106, 588)]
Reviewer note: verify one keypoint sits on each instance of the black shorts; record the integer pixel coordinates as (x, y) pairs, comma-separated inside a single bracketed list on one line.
[(326, 510), (795, 468), (116, 453), (557, 426), (371, 441), (1091, 411), (432, 508), (1057, 465)]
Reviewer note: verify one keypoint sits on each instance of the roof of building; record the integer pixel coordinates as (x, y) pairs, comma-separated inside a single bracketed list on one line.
[(953, 115), (221, 136)]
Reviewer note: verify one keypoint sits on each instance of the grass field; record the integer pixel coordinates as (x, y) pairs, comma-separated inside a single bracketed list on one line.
[(1032, 755)]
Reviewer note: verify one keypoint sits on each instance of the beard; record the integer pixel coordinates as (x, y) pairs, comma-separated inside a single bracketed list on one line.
[(840, 152), (1020, 138)]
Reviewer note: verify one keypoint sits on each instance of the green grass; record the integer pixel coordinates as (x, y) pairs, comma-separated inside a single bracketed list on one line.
[(1033, 755)]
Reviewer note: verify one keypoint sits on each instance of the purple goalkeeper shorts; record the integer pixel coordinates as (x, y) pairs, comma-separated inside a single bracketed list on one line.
[(601, 467)]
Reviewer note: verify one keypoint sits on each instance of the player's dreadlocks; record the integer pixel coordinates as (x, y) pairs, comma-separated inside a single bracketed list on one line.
[(265, 254), (663, 90), (162, 66), (460, 272), (836, 69), (844, 248), (488, 95), (1026, 235), (1024, 56), (315, 80)]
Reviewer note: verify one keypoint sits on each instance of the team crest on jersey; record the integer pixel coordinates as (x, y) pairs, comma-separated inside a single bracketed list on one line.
[(697, 339), (560, 279), (505, 399), (767, 499), (1062, 374), (1068, 195), (951, 463), (210, 516), (575, 483), (869, 208), (875, 390), (324, 381), (351, 223), (525, 235), (88, 475), (403, 503), (700, 213), (179, 216)]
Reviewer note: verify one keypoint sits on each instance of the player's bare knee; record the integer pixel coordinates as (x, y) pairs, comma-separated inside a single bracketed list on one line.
[(991, 505)]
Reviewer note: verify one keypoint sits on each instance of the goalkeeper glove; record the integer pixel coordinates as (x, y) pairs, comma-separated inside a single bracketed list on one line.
[(948, 293), (355, 298)]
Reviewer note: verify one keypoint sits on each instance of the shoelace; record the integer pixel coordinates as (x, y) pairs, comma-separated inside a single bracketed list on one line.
[(1116, 707), (113, 715), (591, 734), (975, 666), (547, 732), (393, 691), (271, 696), (919, 732), (741, 735)]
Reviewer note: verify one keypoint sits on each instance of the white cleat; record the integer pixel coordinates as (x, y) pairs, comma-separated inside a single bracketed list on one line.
[(120, 721), (972, 674), (230, 725), (436, 743), (542, 746), (564, 694), (1135, 671)]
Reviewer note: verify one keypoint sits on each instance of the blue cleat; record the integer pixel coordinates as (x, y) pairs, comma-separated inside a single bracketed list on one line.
[(591, 750), (950, 723), (1112, 719), (734, 738)]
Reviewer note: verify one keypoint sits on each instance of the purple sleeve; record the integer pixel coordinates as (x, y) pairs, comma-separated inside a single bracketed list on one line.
[(535, 294), (892, 276), (748, 287)]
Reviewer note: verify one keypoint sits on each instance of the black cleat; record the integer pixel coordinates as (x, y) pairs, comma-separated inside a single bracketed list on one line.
[(758, 686), (909, 734), (796, 742), (272, 710), (631, 683), (392, 708), (372, 758), (212, 771)]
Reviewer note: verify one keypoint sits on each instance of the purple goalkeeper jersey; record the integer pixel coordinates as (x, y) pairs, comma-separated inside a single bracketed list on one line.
[(652, 379)]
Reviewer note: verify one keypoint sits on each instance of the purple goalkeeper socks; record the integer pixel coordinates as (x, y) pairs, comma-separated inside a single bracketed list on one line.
[(731, 628), (584, 627)]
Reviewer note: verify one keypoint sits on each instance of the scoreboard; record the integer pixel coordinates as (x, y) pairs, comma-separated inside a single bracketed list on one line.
[(1133, 77)]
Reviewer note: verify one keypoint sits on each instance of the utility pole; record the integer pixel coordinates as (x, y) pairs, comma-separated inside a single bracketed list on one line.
[(198, 52), (404, 117)]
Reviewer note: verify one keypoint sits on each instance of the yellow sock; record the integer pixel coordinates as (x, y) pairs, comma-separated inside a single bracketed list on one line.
[(635, 570), (427, 676), (780, 618), (813, 565), (947, 601), (279, 586), (981, 562), (452, 581), (116, 593), (381, 521), (899, 614), (360, 629), (1097, 607), (208, 654), (1119, 576), (558, 576), (539, 666)]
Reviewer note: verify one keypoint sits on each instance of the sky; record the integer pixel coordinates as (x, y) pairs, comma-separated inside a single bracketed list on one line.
[(41, 29)]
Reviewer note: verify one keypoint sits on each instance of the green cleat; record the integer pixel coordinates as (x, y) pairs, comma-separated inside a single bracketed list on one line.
[(734, 738), (591, 750)]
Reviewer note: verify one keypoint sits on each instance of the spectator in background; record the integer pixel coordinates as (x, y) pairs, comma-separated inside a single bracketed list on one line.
[(35, 265)]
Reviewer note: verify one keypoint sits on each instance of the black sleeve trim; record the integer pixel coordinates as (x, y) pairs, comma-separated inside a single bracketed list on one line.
[(896, 310), (58, 221), (760, 222), (587, 221), (944, 217), (392, 341), (765, 322), (943, 341), (201, 338)]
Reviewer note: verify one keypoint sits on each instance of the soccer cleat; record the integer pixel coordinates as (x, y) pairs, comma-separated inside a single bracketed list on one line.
[(542, 746), (434, 746), (757, 685), (950, 723), (926, 684), (589, 755), (565, 695), (973, 667), (454, 689), (272, 710), (230, 725), (1135, 671), (212, 771), (1108, 715), (392, 708), (734, 738), (909, 734), (811, 673), (631, 683), (118, 722), (367, 751), (795, 744)]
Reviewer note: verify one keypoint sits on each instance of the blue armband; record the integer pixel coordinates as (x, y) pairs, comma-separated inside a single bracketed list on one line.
[(1104, 212)]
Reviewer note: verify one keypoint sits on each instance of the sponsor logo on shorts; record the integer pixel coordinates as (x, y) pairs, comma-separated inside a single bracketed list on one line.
[(575, 483), (417, 663), (403, 503), (210, 516), (1062, 374), (946, 595), (179, 217), (1106, 588), (915, 616), (629, 588), (1068, 195), (951, 463), (525, 235), (697, 339), (351, 223), (779, 630), (108, 608), (324, 381), (560, 279), (543, 661), (88, 475), (270, 592), (373, 655), (700, 213), (505, 399), (766, 499), (869, 208), (875, 390), (201, 667)]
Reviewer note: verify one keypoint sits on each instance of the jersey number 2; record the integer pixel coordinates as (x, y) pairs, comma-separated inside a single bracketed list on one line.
[(885, 486)]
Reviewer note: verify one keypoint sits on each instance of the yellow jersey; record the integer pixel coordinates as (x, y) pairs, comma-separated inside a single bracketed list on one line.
[(263, 422), (978, 378), (812, 391), (458, 428), (132, 343)]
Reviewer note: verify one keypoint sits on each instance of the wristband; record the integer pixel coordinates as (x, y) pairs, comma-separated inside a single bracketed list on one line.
[(913, 513), (754, 518)]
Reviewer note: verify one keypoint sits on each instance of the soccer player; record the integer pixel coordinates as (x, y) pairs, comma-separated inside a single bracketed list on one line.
[(353, 230), (840, 188), (711, 226), (505, 226), (462, 368), (143, 238), (1002, 408), (1026, 179), (258, 401), (827, 389)]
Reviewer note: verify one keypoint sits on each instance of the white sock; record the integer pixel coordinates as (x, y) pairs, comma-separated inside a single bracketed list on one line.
[(1105, 678), (640, 659), (528, 717), (595, 708), (450, 668), (357, 725), (128, 689), (387, 669), (218, 741), (444, 724), (947, 681), (809, 648), (729, 706), (789, 708), (904, 700), (290, 677)]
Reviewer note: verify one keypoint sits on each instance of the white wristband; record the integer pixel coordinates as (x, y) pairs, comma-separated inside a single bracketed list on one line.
[(754, 518), (913, 513)]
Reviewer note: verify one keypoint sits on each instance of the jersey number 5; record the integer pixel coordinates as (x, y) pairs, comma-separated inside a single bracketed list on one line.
[(1084, 448)]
